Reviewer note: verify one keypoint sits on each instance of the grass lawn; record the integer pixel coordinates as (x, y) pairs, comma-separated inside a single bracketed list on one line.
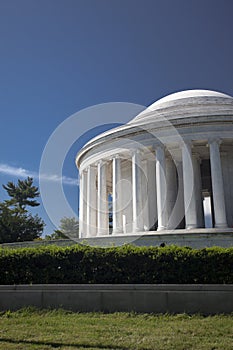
[(35, 329)]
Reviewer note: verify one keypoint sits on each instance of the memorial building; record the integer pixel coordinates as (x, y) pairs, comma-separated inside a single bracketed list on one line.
[(170, 169)]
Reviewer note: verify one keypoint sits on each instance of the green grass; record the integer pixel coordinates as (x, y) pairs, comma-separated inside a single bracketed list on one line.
[(35, 329)]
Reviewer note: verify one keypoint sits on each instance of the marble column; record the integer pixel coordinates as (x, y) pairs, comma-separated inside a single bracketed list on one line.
[(85, 202), (82, 203), (217, 185), (91, 201), (102, 200), (189, 187), (138, 224), (126, 191), (117, 219), (152, 196), (161, 188), (145, 195), (198, 190), (171, 179), (179, 206)]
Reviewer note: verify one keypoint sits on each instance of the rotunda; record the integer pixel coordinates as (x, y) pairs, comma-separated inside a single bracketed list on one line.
[(168, 169)]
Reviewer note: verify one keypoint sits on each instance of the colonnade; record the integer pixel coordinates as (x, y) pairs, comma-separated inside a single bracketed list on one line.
[(161, 190)]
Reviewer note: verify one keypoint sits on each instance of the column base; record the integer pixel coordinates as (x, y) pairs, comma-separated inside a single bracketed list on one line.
[(82, 235), (138, 229), (102, 233), (90, 235), (161, 228), (169, 228), (220, 226), (190, 227), (117, 232)]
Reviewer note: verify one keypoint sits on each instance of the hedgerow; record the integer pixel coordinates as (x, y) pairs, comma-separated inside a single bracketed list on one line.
[(126, 264)]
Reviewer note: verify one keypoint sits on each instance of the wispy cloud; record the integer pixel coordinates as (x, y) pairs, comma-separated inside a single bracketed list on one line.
[(21, 172)]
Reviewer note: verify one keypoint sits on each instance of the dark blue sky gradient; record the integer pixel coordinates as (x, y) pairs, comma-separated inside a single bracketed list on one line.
[(60, 56)]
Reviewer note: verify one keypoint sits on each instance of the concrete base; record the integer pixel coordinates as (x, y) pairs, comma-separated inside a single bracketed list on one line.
[(194, 238), (204, 299)]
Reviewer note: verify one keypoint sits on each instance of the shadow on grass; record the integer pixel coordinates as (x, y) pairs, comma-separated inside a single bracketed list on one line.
[(57, 345)]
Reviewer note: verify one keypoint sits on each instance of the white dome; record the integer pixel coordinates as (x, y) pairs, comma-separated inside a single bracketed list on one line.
[(189, 103), (188, 94)]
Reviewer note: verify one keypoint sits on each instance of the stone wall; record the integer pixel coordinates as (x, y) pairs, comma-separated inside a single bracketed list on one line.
[(204, 299)]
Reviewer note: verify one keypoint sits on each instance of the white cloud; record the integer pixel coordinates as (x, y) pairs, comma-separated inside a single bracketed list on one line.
[(20, 172)]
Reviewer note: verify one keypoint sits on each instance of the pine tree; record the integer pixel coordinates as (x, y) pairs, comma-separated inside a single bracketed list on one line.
[(22, 194), (16, 223), (68, 228)]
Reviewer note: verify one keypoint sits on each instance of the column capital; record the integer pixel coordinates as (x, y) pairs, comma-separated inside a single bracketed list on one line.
[(160, 145), (91, 166), (186, 142), (214, 140), (144, 161), (101, 162), (157, 145), (153, 147), (83, 171), (137, 151), (116, 156)]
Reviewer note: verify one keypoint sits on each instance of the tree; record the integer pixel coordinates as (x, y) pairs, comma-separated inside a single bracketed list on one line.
[(57, 234), (68, 228), (16, 223), (22, 194)]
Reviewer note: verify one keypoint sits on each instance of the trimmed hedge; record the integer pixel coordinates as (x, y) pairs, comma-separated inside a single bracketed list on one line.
[(127, 264)]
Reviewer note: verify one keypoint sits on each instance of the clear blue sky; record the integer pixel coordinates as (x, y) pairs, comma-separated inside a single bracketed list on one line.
[(60, 56)]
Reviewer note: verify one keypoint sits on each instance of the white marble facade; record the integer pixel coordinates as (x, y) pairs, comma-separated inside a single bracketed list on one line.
[(154, 173)]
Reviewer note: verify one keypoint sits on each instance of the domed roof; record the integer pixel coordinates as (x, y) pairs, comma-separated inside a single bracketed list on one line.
[(188, 102), (181, 111), (188, 94)]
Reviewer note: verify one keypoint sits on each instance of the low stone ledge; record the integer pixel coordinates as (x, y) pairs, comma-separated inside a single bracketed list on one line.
[(148, 298), (195, 238)]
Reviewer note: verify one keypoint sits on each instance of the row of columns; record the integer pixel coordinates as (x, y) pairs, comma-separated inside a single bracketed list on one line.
[(173, 199), (191, 174)]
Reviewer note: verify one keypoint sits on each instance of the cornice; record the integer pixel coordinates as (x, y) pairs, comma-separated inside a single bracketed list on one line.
[(132, 131)]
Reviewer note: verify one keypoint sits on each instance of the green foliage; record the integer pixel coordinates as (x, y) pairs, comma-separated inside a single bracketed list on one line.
[(22, 194), (57, 234), (16, 223), (18, 228), (68, 228), (127, 264)]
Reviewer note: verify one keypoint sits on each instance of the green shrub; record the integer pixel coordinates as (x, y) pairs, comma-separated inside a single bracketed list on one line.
[(127, 264)]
